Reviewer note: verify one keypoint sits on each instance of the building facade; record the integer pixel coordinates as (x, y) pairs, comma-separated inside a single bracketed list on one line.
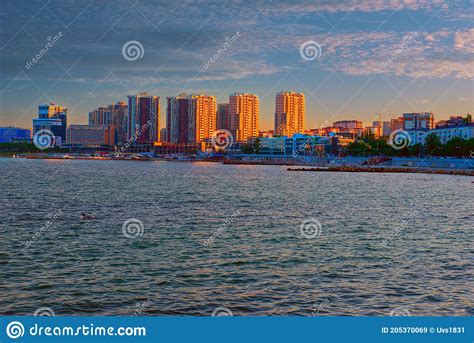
[(463, 131), (348, 124), (244, 116), (396, 124), (297, 145), (100, 116), (93, 136), (383, 128), (191, 119), (418, 121), (118, 121), (10, 134), (289, 113), (52, 118), (223, 119), (113, 116), (143, 120)]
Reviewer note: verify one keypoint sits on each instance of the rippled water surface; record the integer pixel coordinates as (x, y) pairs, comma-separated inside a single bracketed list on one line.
[(388, 242)]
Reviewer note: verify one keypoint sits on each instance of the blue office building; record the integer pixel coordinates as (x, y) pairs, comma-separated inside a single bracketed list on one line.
[(11, 134)]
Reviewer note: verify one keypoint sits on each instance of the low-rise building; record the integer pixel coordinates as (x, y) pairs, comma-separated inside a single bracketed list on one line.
[(90, 136), (348, 124), (445, 133), (14, 134), (297, 145), (167, 148)]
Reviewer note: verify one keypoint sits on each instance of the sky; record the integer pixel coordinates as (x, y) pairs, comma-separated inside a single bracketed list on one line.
[(351, 59)]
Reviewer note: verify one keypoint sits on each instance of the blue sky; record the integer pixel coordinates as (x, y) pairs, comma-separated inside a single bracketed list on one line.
[(384, 57)]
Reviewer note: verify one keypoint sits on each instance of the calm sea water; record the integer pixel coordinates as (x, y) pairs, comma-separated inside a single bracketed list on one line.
[(229, 236)]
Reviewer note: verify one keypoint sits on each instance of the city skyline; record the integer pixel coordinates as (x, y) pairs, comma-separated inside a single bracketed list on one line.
[(385, 58)]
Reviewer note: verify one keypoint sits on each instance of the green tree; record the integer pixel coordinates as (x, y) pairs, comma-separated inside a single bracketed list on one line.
[(433, 145), (456, 147), (468, 119), (415, 149)]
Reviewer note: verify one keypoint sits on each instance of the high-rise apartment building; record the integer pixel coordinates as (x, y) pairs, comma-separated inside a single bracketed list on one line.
[(191, 118), (244, 114), (289, 113), (143, 119), (223, 119), (100, 116), (118, 121), (114, 117)]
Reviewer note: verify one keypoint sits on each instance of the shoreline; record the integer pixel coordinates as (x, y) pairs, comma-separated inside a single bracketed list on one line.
[(293, 165), (356, 169)]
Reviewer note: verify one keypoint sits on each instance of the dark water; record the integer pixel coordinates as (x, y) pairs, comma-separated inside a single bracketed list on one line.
[(258, 263)]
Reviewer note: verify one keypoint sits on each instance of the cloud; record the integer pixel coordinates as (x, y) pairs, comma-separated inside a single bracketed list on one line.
[(402, 54), (464, 41)]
